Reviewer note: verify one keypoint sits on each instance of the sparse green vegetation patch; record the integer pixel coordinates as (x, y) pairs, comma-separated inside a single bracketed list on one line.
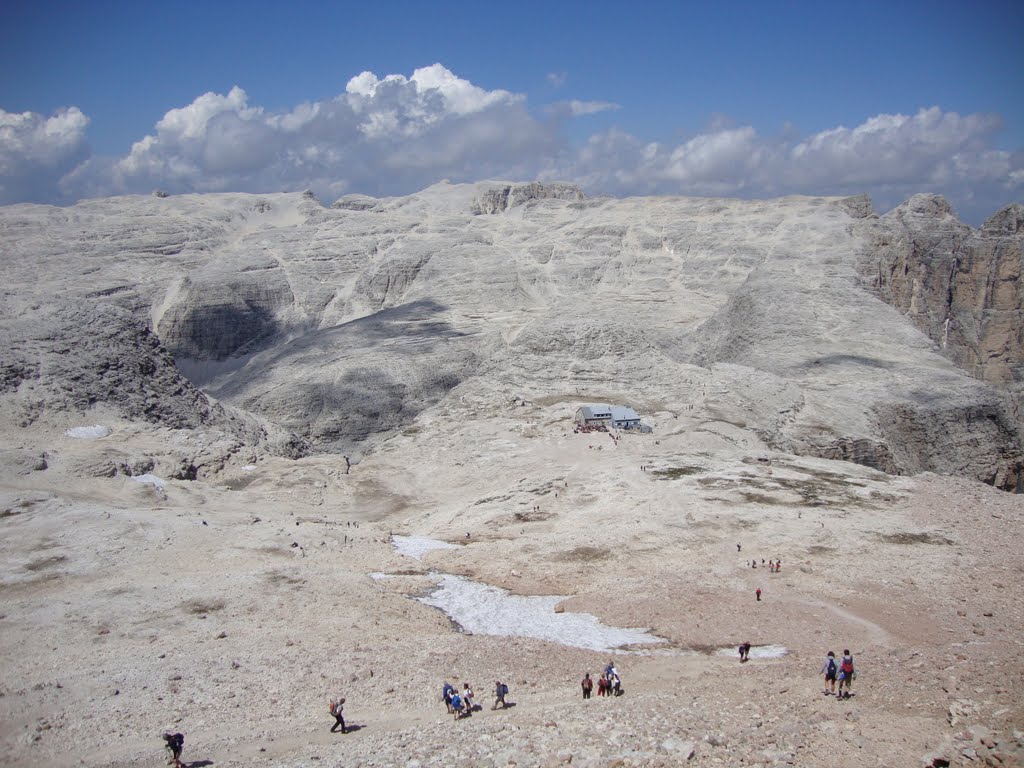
[(199, 606), (45, 562), (674, 473), (905, 537), (587, 553)]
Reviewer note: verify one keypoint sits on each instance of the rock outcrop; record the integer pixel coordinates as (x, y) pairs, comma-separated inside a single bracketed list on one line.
[(501, 199), (806, 324), (959, 285), (71, 358)]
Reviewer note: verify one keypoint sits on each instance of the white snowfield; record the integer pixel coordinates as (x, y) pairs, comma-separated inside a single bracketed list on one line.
[(417, 546), (481, 609), (757, 651), (95, 432), (148, 479)]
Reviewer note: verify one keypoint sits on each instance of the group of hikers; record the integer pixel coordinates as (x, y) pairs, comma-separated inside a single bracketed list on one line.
[(609, 684), (463, 704), (841, 672)]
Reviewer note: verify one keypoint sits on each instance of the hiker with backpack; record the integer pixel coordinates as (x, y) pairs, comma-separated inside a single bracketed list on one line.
[(744, 652), (500, 692), (467, 698), (174, 742), (447, 691), (457, 705), (587, 685), (846, 675), (335, 708), (830, 670)]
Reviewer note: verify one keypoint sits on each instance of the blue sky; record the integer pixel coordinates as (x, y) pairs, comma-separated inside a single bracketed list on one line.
[(744, 99)]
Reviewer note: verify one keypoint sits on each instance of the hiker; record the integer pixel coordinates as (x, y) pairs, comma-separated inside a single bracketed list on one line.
[(758, 593), (335, 709), (616, 683), (602, 685), (446, 694), (778, 566), (457, 705), (739, 548), (744, 652), (830, 670), (467, 697), (846, 673), (174, 742), (587, 685), (500, 692)]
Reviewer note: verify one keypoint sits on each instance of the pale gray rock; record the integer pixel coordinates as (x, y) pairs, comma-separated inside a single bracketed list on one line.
[(808, 325)]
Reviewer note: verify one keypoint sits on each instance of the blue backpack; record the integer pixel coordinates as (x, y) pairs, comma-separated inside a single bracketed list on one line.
[(457, 701)]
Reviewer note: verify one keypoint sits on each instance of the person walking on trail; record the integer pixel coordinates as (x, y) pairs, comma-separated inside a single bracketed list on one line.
[(587, 685), (602, 685), (447, 691), (457, 706), (500, 692), (846, 673), (830, 670), (174, 742), (758, 593), (335, 708), (744, 652), (467, 698)]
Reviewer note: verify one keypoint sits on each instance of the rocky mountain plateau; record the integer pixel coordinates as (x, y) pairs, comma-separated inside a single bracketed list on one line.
[(217, 409)]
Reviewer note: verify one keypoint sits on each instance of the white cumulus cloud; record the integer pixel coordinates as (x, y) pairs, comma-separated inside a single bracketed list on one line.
[(382, 136), (889, 156), (396, 134), (37, 151)]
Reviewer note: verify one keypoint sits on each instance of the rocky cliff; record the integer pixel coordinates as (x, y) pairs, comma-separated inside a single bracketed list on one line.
[(803, 324), (959, 285)]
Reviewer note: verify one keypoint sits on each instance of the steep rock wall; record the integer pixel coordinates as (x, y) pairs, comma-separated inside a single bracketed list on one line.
[(960, 286)]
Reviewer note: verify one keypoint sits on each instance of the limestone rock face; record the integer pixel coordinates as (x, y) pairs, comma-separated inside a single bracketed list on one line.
[(502, 198), (809, 325), (960, 286), (72, 357)]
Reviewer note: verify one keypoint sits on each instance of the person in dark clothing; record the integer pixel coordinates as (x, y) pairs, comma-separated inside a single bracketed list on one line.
[(337, 705), (174, 742), (587, 685)]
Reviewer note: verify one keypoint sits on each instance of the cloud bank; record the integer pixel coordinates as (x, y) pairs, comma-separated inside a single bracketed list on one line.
[(397, 134)]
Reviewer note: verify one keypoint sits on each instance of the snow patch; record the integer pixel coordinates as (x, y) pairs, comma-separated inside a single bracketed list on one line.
[(148, 479), (757, 651), (249, 468), (417, 546), (88, 433), (485, 610)]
